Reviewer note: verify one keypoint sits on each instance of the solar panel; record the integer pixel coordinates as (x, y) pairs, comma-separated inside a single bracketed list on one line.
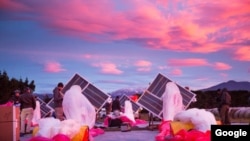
[(151, 98), (75, 80), (135, 106), (44, 108), (95, 96), (151, 103), (157, 87), (51, 103)]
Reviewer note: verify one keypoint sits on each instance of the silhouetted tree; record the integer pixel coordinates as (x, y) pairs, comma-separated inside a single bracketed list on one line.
[(8, 86)]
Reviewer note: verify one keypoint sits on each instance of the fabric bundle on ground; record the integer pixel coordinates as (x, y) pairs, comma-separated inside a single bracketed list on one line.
[(200, 118), (37, 114), (51, 128)]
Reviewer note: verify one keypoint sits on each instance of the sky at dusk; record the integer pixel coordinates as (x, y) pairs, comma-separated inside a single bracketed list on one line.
[(116, 44)]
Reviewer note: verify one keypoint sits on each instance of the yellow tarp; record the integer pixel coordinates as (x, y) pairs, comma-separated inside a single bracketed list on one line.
[(177, 126)]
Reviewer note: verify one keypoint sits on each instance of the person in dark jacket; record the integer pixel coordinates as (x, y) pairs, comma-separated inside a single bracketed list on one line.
[(224, 105), (15, 98), (218, 99), (58, 98), (116, 104), (27, 107)]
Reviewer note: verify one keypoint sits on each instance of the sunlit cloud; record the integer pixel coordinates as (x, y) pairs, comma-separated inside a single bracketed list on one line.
[(202, 79), (108, 68), (176, 72), (191, 62), (187, 26), (167, 26), (242, 54), (143, 69), (162, 67), (87, 56), (143, 65), (111, 81), (222, 66), (53, 67)]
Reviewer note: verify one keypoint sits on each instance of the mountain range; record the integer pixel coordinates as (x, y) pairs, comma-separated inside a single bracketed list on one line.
[(231, 85)]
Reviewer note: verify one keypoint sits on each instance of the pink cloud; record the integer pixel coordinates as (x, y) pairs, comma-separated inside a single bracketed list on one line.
[(145, 69), (187, 26), (222, 66), (187, 62), (87, 56), (176, 72), (242, 54), (202, 79), (53, 67), (162, 67), (12, 5), (143, 65), (108, 68)]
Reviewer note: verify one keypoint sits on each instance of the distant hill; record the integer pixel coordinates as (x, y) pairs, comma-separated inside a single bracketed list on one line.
[(230, 85)]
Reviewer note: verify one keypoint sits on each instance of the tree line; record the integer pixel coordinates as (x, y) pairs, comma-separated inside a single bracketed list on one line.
[(205, 99), (9, 85)]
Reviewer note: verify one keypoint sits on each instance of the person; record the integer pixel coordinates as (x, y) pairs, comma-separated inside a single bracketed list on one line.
[(224, 105), (16, 97), (58, 99), (218, 99), (108, 106), (116, 106), (27, 106)]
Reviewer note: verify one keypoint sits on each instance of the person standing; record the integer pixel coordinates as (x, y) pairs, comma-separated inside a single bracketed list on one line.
[(16, 97), (58, 98), (108, 106), (116, 106), (27, 106), (218, 99), (224, 105)]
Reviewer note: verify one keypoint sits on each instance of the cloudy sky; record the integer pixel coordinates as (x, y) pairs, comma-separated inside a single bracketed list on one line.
[(118, 44)]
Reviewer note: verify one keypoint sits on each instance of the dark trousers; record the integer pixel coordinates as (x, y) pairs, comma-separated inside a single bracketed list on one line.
[(224, 115)]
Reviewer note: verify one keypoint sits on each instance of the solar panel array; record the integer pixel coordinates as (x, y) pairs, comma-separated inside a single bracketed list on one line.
[(51, 103), (44, 108), (96, 97), (151, 98), (135, 106)]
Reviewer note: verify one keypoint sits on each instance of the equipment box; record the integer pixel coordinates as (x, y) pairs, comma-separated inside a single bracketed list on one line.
[(9, 123)]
